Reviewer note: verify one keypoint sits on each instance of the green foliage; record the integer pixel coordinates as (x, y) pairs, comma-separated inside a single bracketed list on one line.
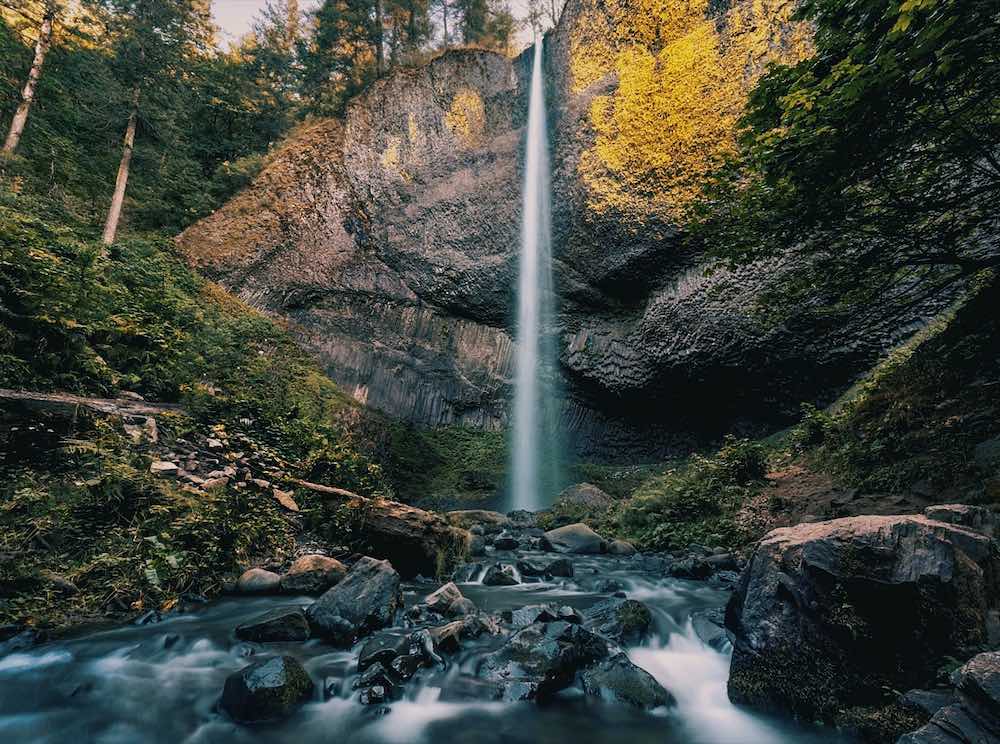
[(124, 540), (695, 502), (919, 418), (875, 160), (452, 467)]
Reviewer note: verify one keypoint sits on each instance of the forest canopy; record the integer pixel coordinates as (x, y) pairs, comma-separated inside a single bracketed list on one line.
[(135, 105)]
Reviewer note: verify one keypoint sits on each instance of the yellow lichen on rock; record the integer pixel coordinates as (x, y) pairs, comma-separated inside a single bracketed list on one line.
[(390, 155), (683, 78), (466, 118)]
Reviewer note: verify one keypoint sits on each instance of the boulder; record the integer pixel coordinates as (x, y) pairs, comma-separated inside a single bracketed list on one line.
[(258, 581), (500, 574), (830, 616), (583, 496), (163, 469), (447, 638), (506, 541), (618, 680), (540, 660), (286, 624), (621, 547), (366, 599), (625, 621), (383, 648), (975, 717), (266, 690), (978, 518), (449, 602), (710, 627), (574, 538), (312, 574), (561, 567), (413, 540)]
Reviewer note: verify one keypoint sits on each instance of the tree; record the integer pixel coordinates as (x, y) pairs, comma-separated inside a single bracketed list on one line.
[(42, 45), (877, 160), (155, 44)]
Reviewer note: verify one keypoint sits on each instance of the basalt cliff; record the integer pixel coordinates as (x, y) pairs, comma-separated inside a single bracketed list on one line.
[(388, 240)]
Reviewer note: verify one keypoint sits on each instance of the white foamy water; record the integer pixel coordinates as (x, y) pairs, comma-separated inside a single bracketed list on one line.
[(534, 295), (696, 675)]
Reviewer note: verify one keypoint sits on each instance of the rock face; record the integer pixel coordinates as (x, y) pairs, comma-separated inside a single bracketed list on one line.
[(365, 600), (975, 717), (390, 240), (267, 690), (830, 615)]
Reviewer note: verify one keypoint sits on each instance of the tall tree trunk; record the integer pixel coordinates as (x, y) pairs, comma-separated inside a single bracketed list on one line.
[(115, 212), (28, 95), (293, 23), (379, 53)]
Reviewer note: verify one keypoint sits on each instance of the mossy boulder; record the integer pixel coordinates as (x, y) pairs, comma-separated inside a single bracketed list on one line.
[(625, 621), (829, 617), (266, 690)]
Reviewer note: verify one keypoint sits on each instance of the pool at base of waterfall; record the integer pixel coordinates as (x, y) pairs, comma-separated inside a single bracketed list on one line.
[(161, 682)]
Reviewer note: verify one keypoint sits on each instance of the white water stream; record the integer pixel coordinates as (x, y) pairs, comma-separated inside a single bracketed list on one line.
[(533, 395)]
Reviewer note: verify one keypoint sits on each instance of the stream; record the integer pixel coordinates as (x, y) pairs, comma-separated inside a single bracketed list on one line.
[(161, 682)]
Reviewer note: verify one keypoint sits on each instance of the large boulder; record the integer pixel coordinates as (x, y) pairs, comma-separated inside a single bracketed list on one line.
[(266, 690), (975, 717), (540, 660), (829, 616), (365, 600), (574, 538), (312, 574), (618, 680), (413, 540), (978, 518)]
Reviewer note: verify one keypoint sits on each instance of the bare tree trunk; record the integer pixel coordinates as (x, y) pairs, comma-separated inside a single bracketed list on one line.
[(293, 23), (28, 95), (379, 54), (115, 212)]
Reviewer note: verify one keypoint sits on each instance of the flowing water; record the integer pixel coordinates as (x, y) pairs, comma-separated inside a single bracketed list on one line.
[(534, 446), (160, 683)]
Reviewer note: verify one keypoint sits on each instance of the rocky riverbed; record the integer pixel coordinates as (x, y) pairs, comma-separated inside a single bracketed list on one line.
[(543, 636)]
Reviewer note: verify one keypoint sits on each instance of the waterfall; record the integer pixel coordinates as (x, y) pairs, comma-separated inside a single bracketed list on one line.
[(534, 448)]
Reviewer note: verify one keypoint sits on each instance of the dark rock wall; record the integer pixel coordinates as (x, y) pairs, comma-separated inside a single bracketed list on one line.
[(389, 242)]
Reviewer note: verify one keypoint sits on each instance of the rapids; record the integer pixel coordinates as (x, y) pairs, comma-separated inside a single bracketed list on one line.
[(160, 682)]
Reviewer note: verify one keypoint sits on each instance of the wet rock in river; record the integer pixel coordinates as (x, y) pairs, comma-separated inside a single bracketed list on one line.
[(258, 581), (383, 648), (830, 615), (975, 717), (266, 690), (574, 538), (365, 600), (618, 680), (625, 621), (506, 541), (312, 574), (449, 602), (560, 567), (500, 575), (285, 624), (540, 660), (710, 627)]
